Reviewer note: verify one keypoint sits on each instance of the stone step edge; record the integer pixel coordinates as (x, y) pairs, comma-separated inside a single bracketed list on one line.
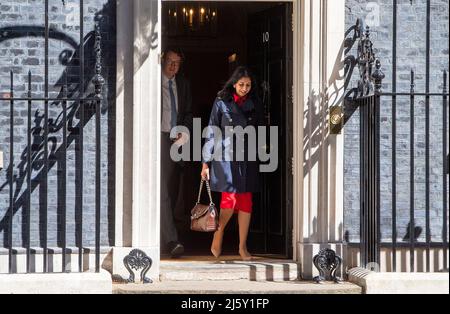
[(227, 287), (217, 276), (197, 271), (221, 268), (238, 292), (199, 265)]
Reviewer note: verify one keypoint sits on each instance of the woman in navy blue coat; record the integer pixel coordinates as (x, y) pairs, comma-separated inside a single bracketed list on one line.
[(230, 157)]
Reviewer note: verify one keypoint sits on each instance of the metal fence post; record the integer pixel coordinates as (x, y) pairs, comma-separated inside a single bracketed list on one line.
[(377, 77)]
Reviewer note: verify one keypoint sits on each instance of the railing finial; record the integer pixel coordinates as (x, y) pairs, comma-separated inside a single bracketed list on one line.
[(367, 33), (413, 84), (445, 82), (365, 61), (378, 77), (98, 79)]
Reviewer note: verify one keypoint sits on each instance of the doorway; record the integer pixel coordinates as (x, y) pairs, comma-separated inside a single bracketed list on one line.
[(215, 38)]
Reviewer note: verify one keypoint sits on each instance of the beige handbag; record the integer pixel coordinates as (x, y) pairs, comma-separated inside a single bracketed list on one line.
[(204, 218)]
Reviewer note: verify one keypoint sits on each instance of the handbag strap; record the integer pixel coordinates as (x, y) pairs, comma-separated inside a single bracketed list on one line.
[(209, 192)]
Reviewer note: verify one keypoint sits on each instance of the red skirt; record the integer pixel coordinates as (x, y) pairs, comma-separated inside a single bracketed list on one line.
[(237, 201)]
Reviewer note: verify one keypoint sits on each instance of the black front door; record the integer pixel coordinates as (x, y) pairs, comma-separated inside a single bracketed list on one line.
[(270, 58)]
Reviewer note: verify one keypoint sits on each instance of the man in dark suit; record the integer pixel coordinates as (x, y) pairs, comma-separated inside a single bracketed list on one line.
[(176, 111)]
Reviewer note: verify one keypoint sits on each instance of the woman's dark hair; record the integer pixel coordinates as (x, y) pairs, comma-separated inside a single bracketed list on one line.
[(228, 90)]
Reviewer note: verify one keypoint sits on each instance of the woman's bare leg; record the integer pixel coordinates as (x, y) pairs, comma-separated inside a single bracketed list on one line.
[(244, 225), (216, 246)]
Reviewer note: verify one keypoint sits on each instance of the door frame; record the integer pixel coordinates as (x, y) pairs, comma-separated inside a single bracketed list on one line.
[(318, 54), (131, 89), (297, 124)]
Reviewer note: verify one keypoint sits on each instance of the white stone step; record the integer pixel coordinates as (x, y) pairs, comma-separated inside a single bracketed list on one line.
[(238, 287), (399, 283), (227, 270), (75, 283)]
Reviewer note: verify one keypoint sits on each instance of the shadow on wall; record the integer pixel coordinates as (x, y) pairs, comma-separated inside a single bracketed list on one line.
[(133, 57), (69, 59), (316, 127), (147, 39), (318, 145)]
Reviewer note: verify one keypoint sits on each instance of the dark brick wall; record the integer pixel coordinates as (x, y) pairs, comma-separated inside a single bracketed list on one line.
[(411, 47), (22, 50)]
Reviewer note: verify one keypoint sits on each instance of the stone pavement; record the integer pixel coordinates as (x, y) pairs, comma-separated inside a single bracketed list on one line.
[(205, 275), (237, 287)]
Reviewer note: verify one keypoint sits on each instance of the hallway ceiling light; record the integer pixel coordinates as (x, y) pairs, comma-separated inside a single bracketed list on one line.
[(191, 19)]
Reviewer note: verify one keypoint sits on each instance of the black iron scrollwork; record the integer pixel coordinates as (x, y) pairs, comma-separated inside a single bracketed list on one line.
[(366, 59), (369, 78), (327, 262), (136, 260)]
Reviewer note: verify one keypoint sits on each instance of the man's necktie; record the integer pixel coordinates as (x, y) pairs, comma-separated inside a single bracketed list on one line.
[(173, 106)]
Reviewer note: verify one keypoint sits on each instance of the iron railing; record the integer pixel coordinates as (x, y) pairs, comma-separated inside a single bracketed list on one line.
[(75, 106), (371, 242), (369, 98)]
